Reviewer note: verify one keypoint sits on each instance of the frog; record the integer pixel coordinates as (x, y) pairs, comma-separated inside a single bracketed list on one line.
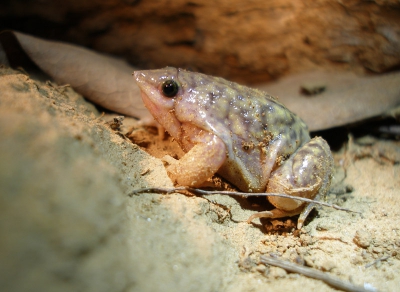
[(242, 134)]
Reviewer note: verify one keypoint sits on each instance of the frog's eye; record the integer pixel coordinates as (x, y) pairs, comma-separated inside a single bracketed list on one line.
[(170, 88)]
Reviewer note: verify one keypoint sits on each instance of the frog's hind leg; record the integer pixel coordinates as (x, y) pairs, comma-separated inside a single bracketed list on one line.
[(307, 173)]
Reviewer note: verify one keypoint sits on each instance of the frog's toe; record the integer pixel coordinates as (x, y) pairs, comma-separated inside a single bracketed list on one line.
[(306, 211), (265, 214), (304, 214)]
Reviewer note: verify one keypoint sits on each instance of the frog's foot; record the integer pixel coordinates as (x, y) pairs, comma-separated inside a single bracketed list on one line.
[(304, 214), (275, 213), (169, 159), (291, 203), (199, 164)]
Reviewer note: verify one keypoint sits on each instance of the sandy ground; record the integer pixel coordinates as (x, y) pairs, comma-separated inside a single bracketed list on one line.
[(68, 224)]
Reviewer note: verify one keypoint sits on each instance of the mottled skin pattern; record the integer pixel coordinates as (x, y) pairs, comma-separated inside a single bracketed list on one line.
[(244, 134)]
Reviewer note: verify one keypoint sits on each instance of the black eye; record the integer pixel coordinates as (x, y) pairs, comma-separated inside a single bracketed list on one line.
[(170, 88)]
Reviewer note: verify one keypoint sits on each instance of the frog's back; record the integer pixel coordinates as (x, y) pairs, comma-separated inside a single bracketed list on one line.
[(258, 131)]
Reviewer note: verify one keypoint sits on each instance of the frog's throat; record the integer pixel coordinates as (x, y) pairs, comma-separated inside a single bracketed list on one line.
[(163, 116)]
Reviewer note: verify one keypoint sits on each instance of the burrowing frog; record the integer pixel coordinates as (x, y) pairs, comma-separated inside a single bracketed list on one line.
[(243, 134)]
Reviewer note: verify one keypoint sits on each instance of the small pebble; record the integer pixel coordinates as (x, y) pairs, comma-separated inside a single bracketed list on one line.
[(261, 268), (277, 272), (362, 238), (305, 240), (357, 260), (324, 226), (328, 266)]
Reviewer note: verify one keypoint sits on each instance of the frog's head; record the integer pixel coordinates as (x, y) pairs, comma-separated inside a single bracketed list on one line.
[(175, 97), (159, 90)]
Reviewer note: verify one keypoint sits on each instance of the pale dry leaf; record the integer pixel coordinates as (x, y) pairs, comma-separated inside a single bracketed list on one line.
[(102, 79), (347, 98)]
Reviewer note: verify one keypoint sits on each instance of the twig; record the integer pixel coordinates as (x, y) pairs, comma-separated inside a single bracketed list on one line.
[(204, 192), (384, 258), (315, 274)]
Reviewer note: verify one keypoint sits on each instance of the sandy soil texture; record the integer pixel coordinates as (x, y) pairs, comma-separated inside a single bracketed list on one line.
[(68, 224)]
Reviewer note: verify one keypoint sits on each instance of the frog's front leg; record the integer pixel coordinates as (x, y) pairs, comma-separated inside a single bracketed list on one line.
[(307, 173), (199, 163)]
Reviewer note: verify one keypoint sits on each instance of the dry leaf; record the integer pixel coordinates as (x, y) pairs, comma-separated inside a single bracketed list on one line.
[(346, 98), (103, 80)]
